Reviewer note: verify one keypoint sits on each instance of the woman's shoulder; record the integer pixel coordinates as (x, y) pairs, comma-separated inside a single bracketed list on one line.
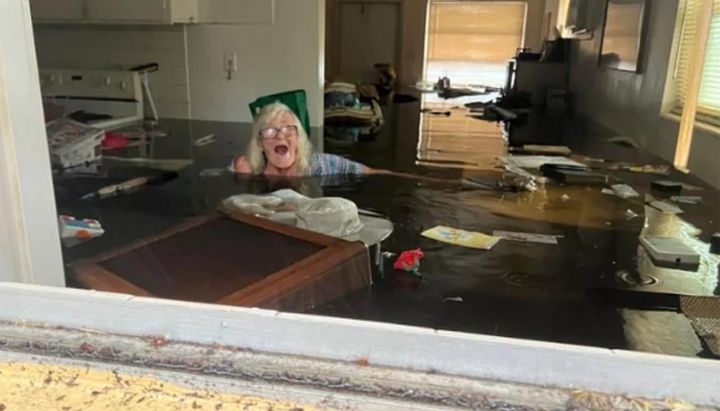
[(327, 157), (325, 160), (327, 164)]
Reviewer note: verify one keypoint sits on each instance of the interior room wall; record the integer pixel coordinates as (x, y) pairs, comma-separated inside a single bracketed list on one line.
[(550, 18), (412, 37), (630, 103), (286, 53)]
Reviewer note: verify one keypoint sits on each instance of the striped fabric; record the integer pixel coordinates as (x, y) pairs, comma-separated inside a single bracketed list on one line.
[(322, 164)]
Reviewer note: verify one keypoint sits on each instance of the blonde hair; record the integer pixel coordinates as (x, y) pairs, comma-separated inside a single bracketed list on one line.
[(254, 151)]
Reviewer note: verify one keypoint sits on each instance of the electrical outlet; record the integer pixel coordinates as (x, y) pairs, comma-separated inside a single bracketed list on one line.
[(230, 62)]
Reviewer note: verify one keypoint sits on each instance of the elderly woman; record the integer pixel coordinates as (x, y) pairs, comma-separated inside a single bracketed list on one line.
[(279, 146)]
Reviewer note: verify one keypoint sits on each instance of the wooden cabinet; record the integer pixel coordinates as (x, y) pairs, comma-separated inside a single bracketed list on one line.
[(114, 11)]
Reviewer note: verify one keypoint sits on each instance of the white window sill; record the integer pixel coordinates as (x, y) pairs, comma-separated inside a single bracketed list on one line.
[(708, 128)]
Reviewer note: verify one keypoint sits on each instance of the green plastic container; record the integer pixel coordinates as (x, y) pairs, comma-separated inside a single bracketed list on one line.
[(296, 100)]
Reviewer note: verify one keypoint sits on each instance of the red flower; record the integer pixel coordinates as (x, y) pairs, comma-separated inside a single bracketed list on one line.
[(409, 260)]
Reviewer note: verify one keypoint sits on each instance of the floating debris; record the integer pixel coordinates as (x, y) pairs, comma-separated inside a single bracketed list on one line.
[(459, 237), (666, 207), (204, 141), (212, 172), (409, 260), (527, 237), (623, 191), (692, 200)]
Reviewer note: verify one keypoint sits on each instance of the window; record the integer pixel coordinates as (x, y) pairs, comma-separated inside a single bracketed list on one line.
[(708, 108), (471, 42)]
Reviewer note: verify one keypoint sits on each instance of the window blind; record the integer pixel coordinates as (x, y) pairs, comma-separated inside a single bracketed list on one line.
[(708, 109), (471, 41)]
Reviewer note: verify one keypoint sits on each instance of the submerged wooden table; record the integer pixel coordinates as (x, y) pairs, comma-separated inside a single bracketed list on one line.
[(236, 259)]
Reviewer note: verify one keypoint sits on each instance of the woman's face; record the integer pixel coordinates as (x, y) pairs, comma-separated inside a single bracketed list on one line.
[(279, 140)]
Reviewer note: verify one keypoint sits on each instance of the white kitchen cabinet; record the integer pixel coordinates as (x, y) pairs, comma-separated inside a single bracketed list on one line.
[(115, 11), (142, 11), (57, 10)]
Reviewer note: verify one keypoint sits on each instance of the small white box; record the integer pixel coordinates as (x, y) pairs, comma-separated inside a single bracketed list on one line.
[(74, 146), (671, 253)]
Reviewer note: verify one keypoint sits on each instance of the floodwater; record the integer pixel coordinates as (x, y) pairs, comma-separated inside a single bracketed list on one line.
[(523, 290)]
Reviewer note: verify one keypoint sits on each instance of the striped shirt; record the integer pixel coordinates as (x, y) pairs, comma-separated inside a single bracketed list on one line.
[(323, 164)]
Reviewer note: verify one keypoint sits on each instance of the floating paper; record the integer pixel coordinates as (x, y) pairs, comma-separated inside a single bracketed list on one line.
[(463, 238), (666, 207), (623, 191), (693, 200), (526, 237), (203, 141)]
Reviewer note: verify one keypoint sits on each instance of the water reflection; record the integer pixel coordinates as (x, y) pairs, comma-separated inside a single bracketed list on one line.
[(581, 206), (599, 246), (453, 139)]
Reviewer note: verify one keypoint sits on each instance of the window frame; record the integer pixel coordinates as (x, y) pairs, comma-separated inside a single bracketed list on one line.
[(669, 107), (428, 16)]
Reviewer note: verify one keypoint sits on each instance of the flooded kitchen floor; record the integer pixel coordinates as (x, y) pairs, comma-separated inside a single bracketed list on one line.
[(523, 290)]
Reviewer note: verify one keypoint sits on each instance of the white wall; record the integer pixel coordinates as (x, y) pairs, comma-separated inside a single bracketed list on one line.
[(236, 12), (29, 240), (629, 103), (286, 54)]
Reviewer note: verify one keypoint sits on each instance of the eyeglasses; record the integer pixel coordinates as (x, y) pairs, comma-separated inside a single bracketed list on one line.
[(268, 133)]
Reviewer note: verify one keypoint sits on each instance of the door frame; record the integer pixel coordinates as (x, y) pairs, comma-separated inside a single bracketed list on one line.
[(30, 249)]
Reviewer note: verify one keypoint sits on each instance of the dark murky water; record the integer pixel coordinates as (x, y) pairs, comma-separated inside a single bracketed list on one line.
[(522, 290)]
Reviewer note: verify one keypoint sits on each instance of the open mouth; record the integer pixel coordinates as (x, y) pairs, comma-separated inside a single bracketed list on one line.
[(281, 149)]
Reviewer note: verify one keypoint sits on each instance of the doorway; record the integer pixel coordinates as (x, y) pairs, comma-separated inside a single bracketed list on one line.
[(369, 34)]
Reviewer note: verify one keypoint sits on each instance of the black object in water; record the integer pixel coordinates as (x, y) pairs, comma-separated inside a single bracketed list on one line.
[(404, 98)]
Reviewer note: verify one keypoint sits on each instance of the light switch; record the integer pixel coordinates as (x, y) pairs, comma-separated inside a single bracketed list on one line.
[(230, 64)]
